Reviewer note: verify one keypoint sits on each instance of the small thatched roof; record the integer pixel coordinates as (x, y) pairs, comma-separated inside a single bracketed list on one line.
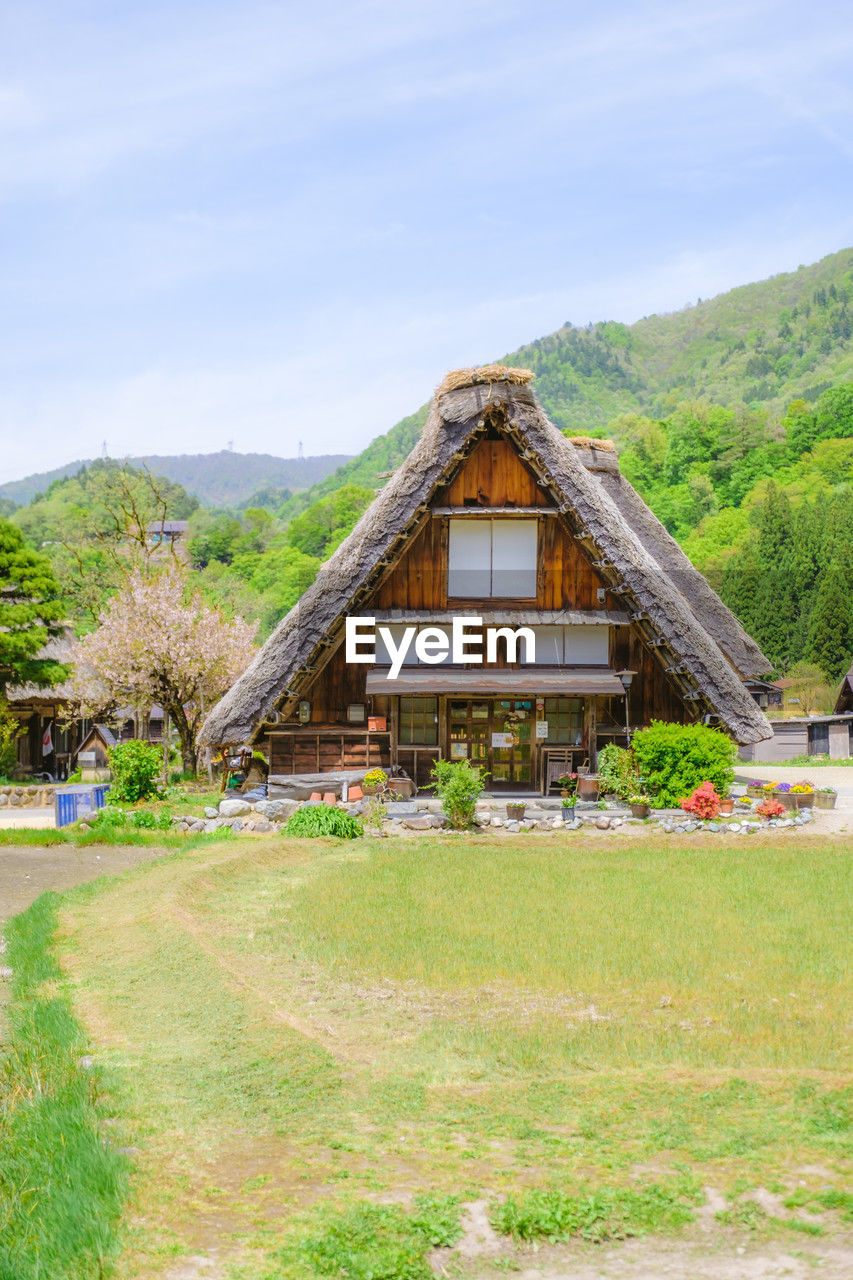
[(594, 510), (844, 701), (57, 649)]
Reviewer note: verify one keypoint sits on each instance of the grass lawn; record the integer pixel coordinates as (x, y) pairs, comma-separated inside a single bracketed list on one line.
[(304, 1028)]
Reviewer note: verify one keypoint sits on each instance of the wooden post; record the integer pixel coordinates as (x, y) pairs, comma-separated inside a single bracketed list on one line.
[(165, 747), (442, 727), (395, 729)]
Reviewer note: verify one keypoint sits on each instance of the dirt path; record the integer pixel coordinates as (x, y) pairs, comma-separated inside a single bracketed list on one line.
[(26, 872), (652, 1259)]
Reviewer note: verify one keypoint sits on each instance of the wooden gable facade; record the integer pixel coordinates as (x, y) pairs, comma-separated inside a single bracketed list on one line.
[(459, 712)]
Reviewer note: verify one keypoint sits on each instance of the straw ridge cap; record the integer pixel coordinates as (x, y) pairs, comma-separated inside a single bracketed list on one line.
[(485, 373)]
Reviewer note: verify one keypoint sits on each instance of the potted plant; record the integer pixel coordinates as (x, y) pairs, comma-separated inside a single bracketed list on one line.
[(770, 808), (375, 782), (825, 798), (515, 810), (727, 804), (803, 794), (755, 790), (568, 785), (640, 805)]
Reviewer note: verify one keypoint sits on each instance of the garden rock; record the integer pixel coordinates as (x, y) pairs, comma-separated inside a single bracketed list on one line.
[(277, 810), (602, 823), (14, 798), (263, 824), (401, 808), (210, 812), (423, 821), (234, 808), (4, 800), (196, 826)]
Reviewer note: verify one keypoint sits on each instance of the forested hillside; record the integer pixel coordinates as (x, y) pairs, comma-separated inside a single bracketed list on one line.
[(216, 479)]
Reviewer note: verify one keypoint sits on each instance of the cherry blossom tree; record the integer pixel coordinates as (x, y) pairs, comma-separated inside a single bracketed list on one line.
[(157, 642)]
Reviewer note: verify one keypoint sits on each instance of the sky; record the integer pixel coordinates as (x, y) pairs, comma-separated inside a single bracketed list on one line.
[(269, 223)]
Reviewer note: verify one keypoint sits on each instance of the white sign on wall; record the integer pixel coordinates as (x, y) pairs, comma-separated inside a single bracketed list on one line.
[(541, 728), (502, 739)]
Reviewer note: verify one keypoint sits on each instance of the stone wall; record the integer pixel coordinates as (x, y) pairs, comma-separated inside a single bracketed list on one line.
[(16, 797)]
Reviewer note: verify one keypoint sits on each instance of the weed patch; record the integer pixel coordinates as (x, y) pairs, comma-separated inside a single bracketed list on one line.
[(596, 1215), (382, 1242)]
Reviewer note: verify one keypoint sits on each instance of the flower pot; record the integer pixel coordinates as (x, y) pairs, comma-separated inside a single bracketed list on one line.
[(727, 806), (640, 810), (401, 787), (802, 799), (825, 799), (515, 810), (369, 790), (568, 812), (588, 787), (755, 792)]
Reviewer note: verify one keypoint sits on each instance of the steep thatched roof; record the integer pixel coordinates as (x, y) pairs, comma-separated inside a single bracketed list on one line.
[(458, 418), (709, 610)]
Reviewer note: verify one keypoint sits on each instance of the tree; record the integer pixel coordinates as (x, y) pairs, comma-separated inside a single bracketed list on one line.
[(97, 527), (154, 644), (31, 612), (831, 625)]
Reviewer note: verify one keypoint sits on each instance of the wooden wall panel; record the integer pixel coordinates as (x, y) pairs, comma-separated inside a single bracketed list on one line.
[(419, 580), (493, 476)]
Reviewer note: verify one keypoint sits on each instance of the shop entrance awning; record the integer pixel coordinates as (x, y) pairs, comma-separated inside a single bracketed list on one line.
[(569, 682)]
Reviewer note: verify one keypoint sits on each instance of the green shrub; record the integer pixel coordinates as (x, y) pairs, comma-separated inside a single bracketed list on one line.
[(135, 768), (9, 729), (617, 771), (459, 785), (675, 759), (323, 820), (111, 818)]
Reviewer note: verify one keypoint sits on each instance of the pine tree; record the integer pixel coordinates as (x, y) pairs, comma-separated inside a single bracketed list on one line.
[(830, 642), (775, 609), (30, 612)]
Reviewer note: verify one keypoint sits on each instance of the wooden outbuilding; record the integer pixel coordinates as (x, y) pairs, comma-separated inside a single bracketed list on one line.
[(496, 516)]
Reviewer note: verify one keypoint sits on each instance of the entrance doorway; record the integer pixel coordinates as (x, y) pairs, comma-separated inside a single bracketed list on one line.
[(496, 734)]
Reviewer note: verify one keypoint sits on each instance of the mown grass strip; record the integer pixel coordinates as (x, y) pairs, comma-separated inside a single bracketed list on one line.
[(61, 1188)]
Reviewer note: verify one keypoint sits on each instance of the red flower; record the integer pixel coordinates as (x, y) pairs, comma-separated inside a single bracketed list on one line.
[(704, 803)]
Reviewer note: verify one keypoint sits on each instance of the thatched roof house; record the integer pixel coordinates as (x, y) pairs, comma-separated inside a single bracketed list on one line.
[(601, 565)]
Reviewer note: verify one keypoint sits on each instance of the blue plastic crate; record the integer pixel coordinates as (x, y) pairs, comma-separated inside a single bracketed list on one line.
[(74, 802)]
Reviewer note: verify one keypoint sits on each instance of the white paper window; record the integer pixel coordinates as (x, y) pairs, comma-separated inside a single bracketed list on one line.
[(492, 558), (586, 646), (549, 646)]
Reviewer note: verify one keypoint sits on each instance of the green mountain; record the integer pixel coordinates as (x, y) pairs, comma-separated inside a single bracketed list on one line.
[(759, 347), (216, 479)]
